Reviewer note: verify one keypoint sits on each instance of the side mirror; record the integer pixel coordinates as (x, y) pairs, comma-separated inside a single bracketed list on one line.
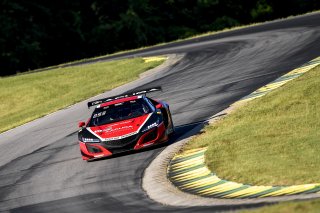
[(159, 106), (81, 124)]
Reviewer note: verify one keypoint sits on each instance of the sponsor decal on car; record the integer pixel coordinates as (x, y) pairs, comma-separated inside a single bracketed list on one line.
[(110, 129)]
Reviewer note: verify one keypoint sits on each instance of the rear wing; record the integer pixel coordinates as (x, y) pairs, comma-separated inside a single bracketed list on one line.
[(141, 92)]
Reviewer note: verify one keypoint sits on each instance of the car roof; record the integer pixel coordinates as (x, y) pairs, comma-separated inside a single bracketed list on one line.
[(120, 100)]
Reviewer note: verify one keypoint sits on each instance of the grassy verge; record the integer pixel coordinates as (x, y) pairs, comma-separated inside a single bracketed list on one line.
[(273, 140), (289, 207), (27, 97)]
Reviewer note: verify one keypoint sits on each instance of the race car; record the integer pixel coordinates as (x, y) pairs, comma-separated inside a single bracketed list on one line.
[(124, 123)]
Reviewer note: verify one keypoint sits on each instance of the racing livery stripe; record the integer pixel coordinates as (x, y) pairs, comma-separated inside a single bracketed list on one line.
[(120, 137), (144, 122)]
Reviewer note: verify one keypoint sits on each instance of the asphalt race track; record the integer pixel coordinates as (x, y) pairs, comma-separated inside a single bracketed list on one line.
[(40, 165)]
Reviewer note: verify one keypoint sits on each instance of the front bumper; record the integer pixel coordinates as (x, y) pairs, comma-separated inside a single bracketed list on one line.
[(134, 142)]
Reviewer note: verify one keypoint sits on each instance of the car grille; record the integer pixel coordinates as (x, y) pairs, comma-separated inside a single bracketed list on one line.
[(121, 142)]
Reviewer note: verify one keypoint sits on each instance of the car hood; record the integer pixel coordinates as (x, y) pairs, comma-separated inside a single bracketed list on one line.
[(119, 129)]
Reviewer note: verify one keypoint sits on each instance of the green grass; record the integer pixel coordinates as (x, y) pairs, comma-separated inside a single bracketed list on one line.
[(273, 140), (289, 207), (30, 96)]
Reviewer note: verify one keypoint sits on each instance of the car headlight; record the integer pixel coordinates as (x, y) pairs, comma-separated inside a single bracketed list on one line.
[(90, 140)]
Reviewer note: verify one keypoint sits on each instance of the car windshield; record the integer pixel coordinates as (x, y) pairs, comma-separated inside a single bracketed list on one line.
[(119, 112)]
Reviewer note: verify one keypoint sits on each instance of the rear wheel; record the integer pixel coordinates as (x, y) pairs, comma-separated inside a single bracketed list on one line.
[(165, 117), (172, 130)]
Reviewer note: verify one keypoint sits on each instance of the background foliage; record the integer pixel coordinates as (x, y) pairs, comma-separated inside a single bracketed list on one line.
[(35, 33)]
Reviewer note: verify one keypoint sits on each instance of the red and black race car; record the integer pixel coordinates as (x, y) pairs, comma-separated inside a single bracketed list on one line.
[(123, 123)]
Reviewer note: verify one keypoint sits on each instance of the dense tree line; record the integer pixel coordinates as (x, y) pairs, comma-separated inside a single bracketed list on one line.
[(35, 33)]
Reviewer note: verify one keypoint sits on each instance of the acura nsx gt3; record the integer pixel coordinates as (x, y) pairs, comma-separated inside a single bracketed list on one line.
[(124, 123)]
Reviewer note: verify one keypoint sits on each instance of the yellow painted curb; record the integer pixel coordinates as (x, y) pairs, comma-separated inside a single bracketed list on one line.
[(197, 179), (155, 58)]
